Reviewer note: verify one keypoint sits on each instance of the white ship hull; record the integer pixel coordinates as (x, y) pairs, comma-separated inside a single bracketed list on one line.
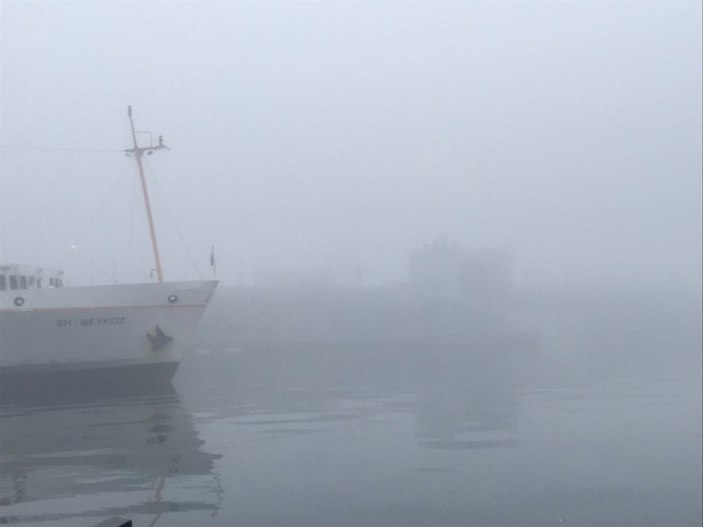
[(98, 334)]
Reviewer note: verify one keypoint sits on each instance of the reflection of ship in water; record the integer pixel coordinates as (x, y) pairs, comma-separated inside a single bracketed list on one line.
[(119, 457)]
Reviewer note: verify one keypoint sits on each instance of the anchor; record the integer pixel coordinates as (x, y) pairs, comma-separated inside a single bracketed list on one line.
[(158, 338)]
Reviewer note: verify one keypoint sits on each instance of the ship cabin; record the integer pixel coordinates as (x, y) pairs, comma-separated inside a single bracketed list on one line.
[(15, 277)]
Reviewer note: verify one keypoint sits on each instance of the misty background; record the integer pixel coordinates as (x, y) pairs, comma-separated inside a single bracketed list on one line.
[(342, 135)]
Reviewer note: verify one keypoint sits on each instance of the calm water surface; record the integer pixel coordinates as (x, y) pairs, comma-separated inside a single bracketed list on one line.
[(448, 451)]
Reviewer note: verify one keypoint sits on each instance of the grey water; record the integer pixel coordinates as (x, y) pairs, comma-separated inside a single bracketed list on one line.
[(494, 445)]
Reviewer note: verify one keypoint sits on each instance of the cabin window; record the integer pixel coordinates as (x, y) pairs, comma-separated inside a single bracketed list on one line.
[(59, 282), (38, 283), (23, 281), (31, 280), (13, 282), (3, 282)]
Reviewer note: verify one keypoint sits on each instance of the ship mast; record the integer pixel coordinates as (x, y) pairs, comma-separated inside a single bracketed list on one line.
[(138, 152)]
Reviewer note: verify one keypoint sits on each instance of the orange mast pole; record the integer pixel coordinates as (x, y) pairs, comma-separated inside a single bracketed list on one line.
[(138, 153)]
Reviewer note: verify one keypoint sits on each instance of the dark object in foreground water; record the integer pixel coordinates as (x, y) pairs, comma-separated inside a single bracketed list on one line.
[(115, 521)]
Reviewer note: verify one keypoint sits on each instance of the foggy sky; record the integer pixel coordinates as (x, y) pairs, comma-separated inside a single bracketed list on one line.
[(344, 134)]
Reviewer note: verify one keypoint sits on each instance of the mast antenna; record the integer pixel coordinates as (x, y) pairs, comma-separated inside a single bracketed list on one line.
[(138, 152)]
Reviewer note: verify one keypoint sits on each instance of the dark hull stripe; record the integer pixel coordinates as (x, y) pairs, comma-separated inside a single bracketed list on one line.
[(48, 384)]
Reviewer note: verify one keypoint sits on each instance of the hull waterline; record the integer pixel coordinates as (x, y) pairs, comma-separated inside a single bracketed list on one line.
[(102, 338)]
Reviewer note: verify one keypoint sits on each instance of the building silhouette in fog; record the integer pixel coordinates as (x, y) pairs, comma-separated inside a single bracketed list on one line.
[(443, 270)]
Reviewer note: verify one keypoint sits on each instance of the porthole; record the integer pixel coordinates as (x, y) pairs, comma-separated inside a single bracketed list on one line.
[(172, 299), (19, 301)]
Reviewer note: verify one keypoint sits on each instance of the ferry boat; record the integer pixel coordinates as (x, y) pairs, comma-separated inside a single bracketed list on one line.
[(105, 337)]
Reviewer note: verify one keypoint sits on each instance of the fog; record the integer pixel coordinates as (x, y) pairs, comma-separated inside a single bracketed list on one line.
[(343, 135), (431, 222)]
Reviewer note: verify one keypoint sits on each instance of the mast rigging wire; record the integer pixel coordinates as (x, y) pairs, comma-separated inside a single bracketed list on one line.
[(191, 258), (59, 149)]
